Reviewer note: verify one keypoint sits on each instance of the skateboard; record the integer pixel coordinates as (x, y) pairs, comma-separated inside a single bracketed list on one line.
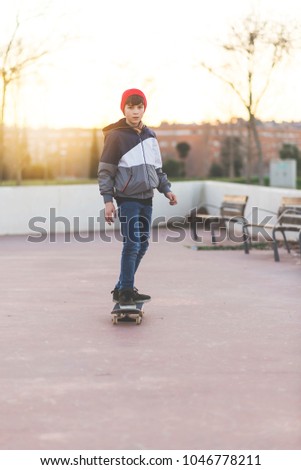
[(127, 313)]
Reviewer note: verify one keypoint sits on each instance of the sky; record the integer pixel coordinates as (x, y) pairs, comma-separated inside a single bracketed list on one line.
[(156, 46)]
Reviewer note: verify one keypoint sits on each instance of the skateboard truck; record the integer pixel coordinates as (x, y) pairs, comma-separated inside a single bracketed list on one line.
[(127, 313)]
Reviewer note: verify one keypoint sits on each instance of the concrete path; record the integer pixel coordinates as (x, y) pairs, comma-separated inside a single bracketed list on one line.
[(215, 363)]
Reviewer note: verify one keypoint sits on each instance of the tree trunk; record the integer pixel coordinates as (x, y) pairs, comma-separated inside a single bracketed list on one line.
[(18, 177), (231, 157), (2, 112), (1, 151), (258, 148), (249, 155)]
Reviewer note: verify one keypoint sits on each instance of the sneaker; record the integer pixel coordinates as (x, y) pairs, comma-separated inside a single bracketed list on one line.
[(115, 293), (140, 297), (126, 297)]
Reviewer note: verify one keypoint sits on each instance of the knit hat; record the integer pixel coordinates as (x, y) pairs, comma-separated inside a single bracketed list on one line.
[(130, 92)]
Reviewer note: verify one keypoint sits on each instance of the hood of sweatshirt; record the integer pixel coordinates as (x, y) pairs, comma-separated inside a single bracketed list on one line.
[(121, 124)]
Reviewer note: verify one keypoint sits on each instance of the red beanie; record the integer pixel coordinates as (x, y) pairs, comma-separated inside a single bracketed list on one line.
[(130, 92)]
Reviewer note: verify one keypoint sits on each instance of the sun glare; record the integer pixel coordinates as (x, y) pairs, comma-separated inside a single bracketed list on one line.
[(112, 46)]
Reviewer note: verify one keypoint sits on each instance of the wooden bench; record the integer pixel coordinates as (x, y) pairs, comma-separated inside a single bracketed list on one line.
[(232, 210), (288, 220)]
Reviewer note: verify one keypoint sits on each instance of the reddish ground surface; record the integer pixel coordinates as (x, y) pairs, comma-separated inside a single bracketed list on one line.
[(215, 363)]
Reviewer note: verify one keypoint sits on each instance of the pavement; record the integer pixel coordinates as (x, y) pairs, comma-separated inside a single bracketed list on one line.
[(215, 363)]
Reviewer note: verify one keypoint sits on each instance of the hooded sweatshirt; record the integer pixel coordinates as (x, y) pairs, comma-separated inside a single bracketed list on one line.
[(131, 165)]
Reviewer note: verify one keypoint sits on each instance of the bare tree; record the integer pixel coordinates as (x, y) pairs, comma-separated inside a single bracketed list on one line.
[(19, 55), (254, 48)]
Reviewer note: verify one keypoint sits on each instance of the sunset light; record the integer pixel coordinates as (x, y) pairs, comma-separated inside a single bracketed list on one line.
[(158, 47)]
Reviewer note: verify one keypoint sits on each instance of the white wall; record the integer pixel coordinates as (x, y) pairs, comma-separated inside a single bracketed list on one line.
[(82, 204), (20, 207)]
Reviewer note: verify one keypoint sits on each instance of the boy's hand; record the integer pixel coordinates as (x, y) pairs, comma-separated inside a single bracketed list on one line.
[(110, 212), (172, 198)]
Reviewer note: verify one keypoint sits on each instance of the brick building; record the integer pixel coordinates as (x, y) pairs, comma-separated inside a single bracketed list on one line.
[(206, 141), (63, 152), (67, 151)]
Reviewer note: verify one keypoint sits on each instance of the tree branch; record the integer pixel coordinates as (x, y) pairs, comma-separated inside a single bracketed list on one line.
[(10, 43), (225, 80)]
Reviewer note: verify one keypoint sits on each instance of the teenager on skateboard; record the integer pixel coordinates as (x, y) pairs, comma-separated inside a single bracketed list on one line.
[(129, 170)]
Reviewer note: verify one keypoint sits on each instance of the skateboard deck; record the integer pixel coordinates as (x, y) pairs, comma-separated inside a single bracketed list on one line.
[(127, 313)]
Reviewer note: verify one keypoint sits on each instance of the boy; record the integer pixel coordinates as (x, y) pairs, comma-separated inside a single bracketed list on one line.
[(129, 170)]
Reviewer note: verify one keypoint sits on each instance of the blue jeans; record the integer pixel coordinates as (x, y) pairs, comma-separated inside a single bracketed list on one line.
[(135, 221)]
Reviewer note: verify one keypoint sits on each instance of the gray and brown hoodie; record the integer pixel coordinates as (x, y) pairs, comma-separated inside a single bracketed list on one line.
[(130, 165)]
